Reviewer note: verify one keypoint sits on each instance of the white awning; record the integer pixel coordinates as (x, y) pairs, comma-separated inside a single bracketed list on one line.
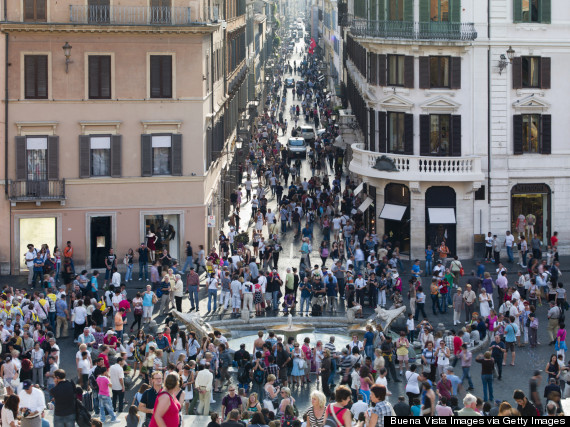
[(365, 204), (441, 215), (393, 212), (358, 189)]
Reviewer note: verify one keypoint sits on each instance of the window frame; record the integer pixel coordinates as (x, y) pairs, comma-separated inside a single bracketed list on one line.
[(88, 56), (439, 135), (401, 119), (35, 8), (172, 74), (91, 152), (399, 58), (24, 58), (526, 144), (439, 84), (538, 72), (439, 11), (161, 135), (400, 10), (530, 20)]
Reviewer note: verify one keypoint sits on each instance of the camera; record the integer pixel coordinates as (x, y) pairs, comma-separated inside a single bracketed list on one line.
[(26, 412)]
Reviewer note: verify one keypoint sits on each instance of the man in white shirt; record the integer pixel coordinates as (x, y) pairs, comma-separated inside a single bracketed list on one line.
[(509, 241), (117, 377), (116, 278), (33, 399), (236, 291), (203, 386), (489, 247), (247, 295), (29, 257)]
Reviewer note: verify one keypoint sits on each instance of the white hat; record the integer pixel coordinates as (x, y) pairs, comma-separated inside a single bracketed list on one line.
[(110, 332)]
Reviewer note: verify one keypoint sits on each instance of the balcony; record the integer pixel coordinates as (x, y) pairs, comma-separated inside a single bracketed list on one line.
[(130, 15), (446, 31), (415, 168), (37, 191)]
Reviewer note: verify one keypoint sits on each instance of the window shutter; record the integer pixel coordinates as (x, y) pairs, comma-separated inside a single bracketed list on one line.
[(381, 10), (146, 155), (84, 156), (382, 141), (29, 14), (408, 10), (455, 72), (517, 72), (93, 77), (546, 134), (382, 70), (155, 91), (41, 10), (545, 72), (42, 76), (424, 11), (372, 130), (409, 134), (177, 154), (456, 136), (545, 11), (21, 158), (517, 10), (517, 134), (116, 155), (455, 10), (373, 69), (424, 135), (166, 74), (409, 72), (30, 76), (424, 72), (105, 76), (53, 157)]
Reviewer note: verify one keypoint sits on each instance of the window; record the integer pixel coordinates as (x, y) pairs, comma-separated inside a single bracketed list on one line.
[(530, 71), (100, 155), (532, 11), (531, 133), (439, 135), (160, 11), (439, 10), (161, 154), (35, 10), (99, 11), (396, 10), (36, 161), (439, 71), (396, 70), (100, 77), (396, 130), (161, 76), (36, 76)]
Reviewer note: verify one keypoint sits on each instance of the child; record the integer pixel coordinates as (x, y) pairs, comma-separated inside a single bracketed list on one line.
[(132, 417), (410, 327)]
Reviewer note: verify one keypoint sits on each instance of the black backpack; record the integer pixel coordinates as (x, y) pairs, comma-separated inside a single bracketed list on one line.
[(243, 376), (259, 376), (92, 380)]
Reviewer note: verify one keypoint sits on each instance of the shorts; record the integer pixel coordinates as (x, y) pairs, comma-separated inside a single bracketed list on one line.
[(268, 296), (510, 346), (283, 374), (147, 311), (403, 358), (236, 301)]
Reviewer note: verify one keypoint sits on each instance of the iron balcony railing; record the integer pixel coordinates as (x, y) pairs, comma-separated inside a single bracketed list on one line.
[(461, 31), (130, 15), (27, 190)]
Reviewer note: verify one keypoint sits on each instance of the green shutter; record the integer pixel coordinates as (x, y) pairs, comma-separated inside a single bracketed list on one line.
[(381, 9), (373, 10), (455, 10), (409, 10), (545, 11), (517, 10), (424, 11)]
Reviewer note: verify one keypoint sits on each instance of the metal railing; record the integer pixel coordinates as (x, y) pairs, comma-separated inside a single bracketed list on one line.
[(463, 31), (37, 190), (130, 15)]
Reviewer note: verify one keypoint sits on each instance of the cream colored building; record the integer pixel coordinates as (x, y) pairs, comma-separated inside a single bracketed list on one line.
[(133, 131)]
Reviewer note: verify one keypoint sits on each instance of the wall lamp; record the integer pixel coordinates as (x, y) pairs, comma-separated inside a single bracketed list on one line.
[(503, 63), (67, 52)]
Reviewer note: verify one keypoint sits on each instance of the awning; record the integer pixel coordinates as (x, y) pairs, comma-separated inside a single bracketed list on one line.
[(358, 189), (441, 215), (393, 212), (365, 204)]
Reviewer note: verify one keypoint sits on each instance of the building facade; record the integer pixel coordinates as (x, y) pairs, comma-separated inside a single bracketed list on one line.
[(457, 113), (121, 121)]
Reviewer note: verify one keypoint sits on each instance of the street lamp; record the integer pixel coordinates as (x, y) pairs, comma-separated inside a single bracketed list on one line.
[(503, 63), (67, 52)]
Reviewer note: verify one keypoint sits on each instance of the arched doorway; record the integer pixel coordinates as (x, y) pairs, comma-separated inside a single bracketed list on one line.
[(396, 215), (440, 218)]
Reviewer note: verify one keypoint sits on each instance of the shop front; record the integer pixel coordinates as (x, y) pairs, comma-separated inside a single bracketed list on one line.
[(531, 211), (37, 230), (396, 215), (440, 218), (162, 230)]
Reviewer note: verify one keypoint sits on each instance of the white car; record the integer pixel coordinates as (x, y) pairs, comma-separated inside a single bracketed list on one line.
[(307, 132), (297, 147)]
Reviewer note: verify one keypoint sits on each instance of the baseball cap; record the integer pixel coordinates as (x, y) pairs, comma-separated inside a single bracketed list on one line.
[(26, 384)]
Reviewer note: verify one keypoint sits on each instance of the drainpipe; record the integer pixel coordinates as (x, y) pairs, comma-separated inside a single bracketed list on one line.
[(6, 115), (489, 103)]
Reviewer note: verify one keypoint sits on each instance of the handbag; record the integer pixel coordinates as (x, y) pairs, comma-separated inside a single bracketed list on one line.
[(461, 272)]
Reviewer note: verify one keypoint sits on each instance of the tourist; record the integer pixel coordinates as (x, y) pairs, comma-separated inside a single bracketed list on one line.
[(487, 366), (167, 407), (316, 412), (338, 410)]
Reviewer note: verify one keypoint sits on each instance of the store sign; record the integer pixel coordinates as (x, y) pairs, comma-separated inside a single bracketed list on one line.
[(211, 221), (531, 189)]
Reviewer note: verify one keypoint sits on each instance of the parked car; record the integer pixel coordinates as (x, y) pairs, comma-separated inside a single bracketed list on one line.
[(297, 147)]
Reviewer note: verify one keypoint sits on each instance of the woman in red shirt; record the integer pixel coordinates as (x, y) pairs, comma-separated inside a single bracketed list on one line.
[(166, 411)]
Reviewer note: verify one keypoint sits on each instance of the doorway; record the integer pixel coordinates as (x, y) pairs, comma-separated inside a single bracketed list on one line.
[(37, 231), (397, 226), (100, 240), (440, 218)]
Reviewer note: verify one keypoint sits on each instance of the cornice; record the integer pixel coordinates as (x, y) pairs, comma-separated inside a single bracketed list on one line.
[(12, 27)]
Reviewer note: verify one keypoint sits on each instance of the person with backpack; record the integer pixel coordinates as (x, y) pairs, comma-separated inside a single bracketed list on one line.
[(63, 394), (336, 414), (258, 376)]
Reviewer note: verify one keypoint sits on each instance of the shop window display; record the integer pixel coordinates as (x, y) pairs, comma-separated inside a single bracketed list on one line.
[(161, 232), (530, 208)]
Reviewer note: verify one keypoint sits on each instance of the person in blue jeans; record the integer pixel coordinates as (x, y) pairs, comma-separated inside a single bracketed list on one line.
[(143, 252), (306, 289), (429, 261), (487, 367), (466, 358), (212, 286), (105, 403)]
